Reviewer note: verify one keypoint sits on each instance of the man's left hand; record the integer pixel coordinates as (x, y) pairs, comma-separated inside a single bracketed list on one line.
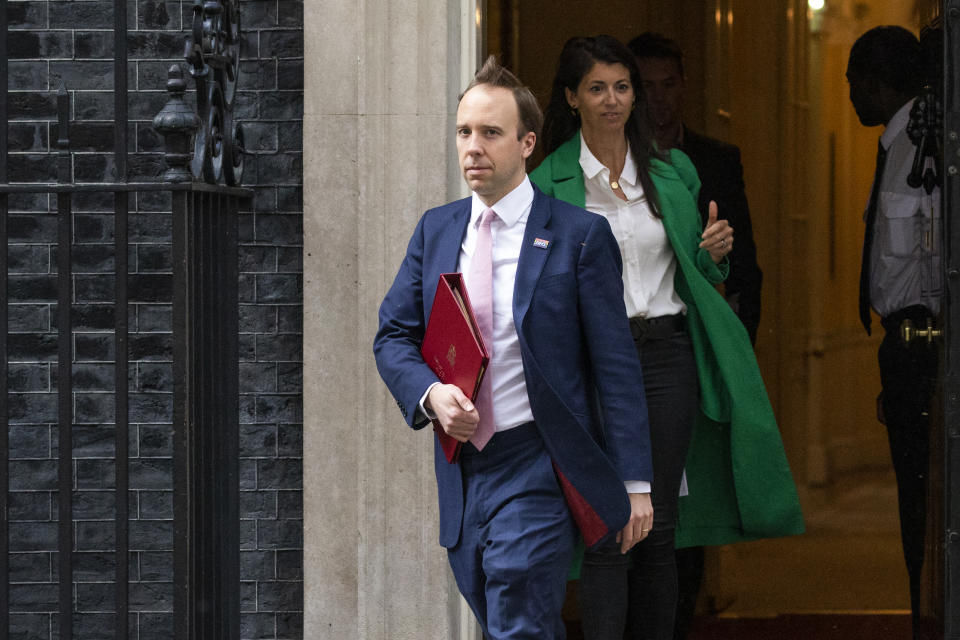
[(640, 522)]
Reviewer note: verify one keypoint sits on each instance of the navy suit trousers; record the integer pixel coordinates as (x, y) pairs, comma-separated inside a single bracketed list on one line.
[(517, 539)]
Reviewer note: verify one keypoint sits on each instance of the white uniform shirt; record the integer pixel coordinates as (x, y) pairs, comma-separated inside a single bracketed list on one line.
[(905, 255)]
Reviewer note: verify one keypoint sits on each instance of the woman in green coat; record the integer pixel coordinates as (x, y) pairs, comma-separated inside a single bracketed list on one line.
[(709, 411)]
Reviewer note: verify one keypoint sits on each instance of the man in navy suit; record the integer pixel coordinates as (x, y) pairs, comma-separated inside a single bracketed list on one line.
[(570, 445)]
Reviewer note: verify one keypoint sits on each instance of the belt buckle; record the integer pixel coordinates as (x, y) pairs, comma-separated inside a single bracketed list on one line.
[(910, 334)]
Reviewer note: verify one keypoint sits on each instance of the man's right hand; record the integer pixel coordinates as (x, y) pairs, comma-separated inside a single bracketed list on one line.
[(457, 415), (640, 523)]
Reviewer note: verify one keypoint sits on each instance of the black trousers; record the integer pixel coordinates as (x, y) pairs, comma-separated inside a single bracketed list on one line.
[(690, 564), (908, 376), (638, 591)]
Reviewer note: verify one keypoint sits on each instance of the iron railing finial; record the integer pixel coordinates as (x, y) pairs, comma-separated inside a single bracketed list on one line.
[(177, 122)]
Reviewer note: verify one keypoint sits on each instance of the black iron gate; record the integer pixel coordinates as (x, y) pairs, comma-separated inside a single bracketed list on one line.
[(204, 159)]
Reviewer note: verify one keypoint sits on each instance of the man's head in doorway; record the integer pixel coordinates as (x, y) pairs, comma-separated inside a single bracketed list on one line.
[(885, 70), (661, 70)]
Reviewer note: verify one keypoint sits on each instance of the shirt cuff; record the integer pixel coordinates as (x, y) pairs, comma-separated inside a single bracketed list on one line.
[(422, 409), (637, 486)]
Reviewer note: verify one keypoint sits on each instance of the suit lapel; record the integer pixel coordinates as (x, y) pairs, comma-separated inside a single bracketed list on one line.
[(445, 250), (537, 244)]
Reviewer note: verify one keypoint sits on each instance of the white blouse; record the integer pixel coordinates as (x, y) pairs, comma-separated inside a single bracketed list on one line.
[(649, 263)]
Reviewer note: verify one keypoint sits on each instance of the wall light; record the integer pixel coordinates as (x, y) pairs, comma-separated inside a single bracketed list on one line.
[(815, 5)]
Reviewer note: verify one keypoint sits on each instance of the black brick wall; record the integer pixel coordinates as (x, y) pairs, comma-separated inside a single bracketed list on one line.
[(54, 41)]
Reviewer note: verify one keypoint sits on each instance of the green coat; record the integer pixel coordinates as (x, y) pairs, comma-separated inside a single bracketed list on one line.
[(739, 479)]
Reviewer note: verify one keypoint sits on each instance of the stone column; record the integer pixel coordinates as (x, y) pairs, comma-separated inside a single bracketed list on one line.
[(381, 85)]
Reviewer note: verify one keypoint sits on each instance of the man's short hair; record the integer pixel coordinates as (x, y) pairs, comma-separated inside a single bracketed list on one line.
[(493, 74), (890, 54), (654, 45)]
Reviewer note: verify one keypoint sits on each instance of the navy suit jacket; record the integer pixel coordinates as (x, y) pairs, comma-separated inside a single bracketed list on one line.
[(581, 368)]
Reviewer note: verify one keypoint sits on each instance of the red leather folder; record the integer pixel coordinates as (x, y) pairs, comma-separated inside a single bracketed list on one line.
[(453, 347)]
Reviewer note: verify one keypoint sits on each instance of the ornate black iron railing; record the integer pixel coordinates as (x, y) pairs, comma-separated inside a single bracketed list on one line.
[(204, 158), (213, 52)]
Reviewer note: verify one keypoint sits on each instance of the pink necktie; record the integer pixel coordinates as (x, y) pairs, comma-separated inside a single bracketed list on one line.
[(481, 299)]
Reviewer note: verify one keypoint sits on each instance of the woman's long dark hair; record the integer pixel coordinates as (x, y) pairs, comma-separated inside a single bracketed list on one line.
[(560, 122)]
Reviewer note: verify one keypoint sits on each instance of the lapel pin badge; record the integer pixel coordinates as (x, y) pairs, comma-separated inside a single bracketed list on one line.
[(541, 243)]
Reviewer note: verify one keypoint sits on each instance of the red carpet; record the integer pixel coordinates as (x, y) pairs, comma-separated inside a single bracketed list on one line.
[(803, 627), (792, 627)]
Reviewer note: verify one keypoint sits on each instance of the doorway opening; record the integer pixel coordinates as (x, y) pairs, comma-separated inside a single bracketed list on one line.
[(769, 78)]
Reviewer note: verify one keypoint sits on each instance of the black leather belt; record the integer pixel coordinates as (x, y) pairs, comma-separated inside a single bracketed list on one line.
[(917, 314), (657, 328)]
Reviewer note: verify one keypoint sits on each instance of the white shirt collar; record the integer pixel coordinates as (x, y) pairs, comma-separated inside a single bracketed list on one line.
[(510, 208), (897, 124), (592, 167)]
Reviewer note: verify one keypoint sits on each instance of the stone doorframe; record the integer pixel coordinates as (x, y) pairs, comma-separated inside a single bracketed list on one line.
[(381, 83)]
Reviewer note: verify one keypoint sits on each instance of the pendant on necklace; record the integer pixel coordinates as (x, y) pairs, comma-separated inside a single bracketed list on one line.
[(614, 185)]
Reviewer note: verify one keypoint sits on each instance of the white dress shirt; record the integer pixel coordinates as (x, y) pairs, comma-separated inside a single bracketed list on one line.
[(905, 255), (511, 405), (649, 263)]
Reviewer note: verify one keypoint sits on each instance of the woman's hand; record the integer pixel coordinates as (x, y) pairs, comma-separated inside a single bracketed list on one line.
[(718, 236)]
